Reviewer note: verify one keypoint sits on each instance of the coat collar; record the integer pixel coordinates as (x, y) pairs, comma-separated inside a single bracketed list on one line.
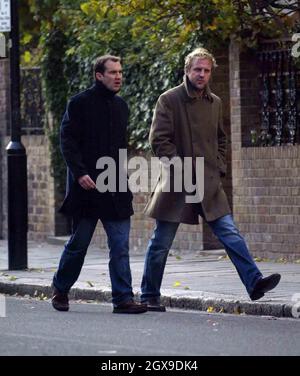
[(191, 94), (102, 90)]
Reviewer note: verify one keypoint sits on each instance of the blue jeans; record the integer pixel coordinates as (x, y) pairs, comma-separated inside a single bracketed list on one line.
[(224, 229), (75, 250)]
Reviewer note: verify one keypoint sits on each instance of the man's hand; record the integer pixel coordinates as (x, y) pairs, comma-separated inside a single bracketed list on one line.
[(86, 182)]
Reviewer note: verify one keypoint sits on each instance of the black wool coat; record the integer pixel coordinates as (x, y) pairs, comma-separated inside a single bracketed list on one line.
[(94, 125)]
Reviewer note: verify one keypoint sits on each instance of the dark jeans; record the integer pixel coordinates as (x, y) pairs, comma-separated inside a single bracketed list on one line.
[(224, 229), (75, 250)]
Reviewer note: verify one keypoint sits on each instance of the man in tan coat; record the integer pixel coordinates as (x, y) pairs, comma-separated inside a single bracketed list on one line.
[(187, 122)]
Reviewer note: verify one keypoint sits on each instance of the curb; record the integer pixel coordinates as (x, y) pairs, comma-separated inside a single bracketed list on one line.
[(57, 240), (207, 303)]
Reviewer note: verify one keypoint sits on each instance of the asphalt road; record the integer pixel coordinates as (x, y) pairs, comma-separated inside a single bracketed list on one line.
[(32, 327)]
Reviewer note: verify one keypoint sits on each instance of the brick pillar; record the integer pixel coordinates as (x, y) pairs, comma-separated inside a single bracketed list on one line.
[(221, 86), (235, 116), (4, 124)]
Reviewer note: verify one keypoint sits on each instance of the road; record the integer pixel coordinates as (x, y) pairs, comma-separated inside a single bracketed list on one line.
[(32, 327)]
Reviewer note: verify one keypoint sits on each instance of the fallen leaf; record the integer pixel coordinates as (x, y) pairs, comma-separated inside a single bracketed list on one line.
[(41, 296), (258, 259), (178, 258), (38, 270), (224, 257), (176, 284), (12, 278), (186, 288), (210, 309), (90, 283), (237, 310)]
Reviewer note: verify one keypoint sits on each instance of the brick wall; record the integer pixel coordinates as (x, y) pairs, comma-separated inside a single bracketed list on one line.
[(41, 212), (266, 180), (220, 86), (267, 200), (41, 202)]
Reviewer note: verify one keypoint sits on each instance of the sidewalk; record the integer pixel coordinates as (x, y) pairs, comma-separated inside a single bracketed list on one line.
[(192, 281)]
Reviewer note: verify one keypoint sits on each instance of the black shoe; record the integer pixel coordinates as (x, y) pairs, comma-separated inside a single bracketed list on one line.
[(60, 301), (264, 285), (154, 305), (130, 307)]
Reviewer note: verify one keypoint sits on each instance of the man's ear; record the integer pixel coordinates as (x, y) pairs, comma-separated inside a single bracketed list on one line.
[(99, 76)]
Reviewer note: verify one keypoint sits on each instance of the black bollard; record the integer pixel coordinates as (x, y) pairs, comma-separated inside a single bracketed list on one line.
[(16, 161)]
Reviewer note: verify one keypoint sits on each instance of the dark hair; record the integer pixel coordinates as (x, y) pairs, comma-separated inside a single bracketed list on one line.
[(99, 65)]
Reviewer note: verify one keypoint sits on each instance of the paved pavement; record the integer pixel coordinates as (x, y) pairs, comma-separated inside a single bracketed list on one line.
[(202, 281)]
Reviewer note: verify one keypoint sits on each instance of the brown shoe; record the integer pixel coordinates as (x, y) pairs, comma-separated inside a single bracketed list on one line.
[(154, 305), (60, 301), (130, 307)]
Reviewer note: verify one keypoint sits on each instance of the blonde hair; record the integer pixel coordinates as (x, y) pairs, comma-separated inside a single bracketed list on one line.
[(201, 53)]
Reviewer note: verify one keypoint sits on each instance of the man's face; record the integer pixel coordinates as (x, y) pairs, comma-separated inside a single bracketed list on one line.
[(112, 76), (199, 73)]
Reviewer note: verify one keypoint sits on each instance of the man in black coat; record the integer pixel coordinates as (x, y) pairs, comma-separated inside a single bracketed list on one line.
[(94, 126)]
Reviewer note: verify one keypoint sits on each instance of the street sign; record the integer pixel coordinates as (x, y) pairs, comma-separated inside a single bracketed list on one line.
[(5, 18)]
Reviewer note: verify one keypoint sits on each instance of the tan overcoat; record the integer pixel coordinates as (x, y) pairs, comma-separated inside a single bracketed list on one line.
[(185, 125)]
